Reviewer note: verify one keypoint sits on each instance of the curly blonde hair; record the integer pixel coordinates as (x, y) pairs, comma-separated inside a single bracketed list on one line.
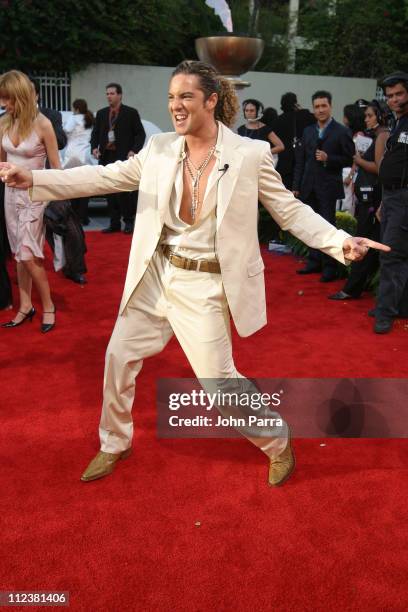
[(212, 82)]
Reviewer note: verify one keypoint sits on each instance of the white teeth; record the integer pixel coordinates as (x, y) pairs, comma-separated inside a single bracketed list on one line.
[(180, 117)]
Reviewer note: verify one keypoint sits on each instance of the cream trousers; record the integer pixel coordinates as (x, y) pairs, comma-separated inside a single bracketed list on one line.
[(193, 306)]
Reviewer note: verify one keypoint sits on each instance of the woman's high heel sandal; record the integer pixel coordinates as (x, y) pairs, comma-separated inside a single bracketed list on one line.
[(46, 327), (27, 316)]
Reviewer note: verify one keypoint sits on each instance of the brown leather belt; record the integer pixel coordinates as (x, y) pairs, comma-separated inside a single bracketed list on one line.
[(199, 265)]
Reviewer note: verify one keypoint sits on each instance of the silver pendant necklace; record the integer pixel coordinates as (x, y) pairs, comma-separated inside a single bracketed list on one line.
[(195, 174)]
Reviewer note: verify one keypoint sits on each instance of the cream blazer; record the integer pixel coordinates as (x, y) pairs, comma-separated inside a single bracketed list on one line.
[(250, 176)]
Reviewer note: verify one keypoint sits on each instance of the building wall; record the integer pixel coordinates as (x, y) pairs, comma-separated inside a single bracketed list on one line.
[(145, 87)]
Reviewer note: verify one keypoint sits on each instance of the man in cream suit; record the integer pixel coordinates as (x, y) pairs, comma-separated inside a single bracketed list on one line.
[(195, 257)]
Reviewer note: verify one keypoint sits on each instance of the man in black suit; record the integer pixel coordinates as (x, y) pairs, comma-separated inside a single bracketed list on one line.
[(326, 148), (117, 134)]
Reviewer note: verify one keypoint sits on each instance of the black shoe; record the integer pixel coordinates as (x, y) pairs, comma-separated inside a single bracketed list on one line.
[(328, 278), (383, 326), (372, 312), (46, 327), (340, 295), (128, 229), (111, 229), (77, 278), (308, 270), (27, 316)]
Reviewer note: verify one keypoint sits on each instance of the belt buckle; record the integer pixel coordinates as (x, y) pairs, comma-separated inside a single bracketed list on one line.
[(171, 256)]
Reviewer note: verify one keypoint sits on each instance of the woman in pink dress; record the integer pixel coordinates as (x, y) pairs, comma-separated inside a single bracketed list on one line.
[(26, 138)]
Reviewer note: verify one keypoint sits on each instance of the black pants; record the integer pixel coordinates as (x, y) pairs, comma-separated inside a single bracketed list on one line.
[(60, 219), (393, 265), (119, 204), (326, 208), (361, 271)]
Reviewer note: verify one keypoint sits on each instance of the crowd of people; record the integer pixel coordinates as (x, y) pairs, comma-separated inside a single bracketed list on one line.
[(328, 165), (357, 167)]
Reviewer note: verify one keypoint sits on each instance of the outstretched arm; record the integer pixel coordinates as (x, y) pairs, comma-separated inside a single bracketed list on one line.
[(299, 219), (76, 182)]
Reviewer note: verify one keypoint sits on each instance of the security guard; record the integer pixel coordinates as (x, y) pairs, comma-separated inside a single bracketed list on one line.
[(393, 175)]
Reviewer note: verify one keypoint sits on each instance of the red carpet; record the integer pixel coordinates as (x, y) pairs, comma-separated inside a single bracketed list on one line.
[(333, 538)]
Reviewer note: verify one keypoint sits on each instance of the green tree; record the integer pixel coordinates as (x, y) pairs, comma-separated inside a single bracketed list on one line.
[(359, 39), (67, 36)]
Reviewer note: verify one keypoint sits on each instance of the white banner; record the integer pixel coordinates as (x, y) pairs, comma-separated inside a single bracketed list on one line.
[(221, 9)]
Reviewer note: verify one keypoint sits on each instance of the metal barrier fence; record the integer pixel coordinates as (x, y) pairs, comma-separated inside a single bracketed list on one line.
[(55, 90)]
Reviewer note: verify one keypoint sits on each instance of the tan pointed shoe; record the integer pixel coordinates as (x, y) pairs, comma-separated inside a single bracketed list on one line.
[(282, 467), (103, 464)]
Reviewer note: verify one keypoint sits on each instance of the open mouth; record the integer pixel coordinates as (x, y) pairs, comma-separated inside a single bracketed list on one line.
[(180, 118)]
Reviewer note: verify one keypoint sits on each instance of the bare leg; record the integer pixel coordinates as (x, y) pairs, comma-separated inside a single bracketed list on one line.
[(35, 268), (24, 287)]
